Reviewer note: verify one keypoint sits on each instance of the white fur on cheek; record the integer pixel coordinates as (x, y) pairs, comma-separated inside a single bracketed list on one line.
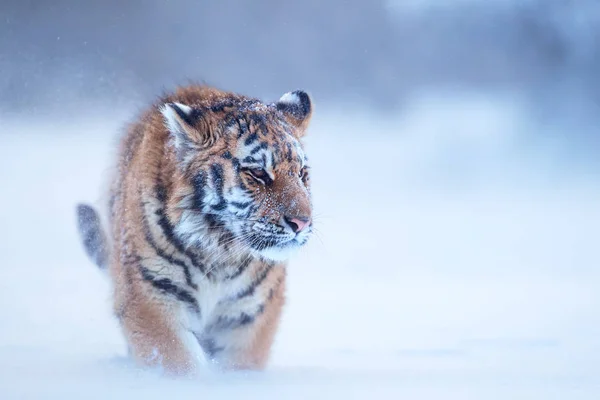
[(279, 254)]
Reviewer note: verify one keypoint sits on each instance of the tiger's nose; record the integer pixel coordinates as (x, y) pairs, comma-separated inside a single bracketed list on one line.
[(298, 224)]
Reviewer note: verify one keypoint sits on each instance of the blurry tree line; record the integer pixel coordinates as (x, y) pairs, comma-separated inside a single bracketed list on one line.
[(375, 51)]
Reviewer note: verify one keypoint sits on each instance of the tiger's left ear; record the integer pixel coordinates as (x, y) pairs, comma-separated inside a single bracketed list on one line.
[(190, 128), (297, 108)]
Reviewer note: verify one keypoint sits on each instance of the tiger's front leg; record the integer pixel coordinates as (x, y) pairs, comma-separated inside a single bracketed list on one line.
[(241, 334), (154, 326)]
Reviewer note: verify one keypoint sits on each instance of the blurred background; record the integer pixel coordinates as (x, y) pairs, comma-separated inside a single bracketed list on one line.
[(454, 149), (377, 53)]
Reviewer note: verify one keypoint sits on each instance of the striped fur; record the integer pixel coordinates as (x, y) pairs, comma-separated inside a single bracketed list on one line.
[(202, 214)]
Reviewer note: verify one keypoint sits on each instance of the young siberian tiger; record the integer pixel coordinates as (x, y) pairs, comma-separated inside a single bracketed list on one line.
[(210, 198)]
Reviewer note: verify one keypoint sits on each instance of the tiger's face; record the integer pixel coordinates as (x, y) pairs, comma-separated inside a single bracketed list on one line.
[(247, 173)]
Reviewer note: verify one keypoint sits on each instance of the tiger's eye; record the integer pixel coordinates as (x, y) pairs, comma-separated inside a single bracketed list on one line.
[(259, 174)]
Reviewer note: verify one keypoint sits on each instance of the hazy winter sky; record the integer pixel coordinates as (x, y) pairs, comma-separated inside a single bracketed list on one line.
[(372, 53)]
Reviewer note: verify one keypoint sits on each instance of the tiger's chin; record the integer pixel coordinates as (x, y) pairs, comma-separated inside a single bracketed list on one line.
[(280, 253)]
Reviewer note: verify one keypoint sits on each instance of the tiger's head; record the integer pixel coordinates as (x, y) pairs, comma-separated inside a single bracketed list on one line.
[(244, 171)]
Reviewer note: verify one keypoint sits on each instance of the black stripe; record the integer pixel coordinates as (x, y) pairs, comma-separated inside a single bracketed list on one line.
[(168, 231), (220, 107), (262, 146), (163, 222), (241, 268), (276, 148), (216, 171), (161, 253), (257, 118), (230, 120), (274, 289), (167, 228), (167, 286), (199, 190), (225, 239), (209, 346), (242, 186), (251, 139), (212, 221), (236, 164), (253, 209), (244, 319), (288, 154), (260, 242), (227, 155), (249, 291), (241, 206), (242, 125), (220, 206), (129, 259), (260, 120), (161, 194)]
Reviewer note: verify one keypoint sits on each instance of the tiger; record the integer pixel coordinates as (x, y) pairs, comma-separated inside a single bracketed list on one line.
[(209, 200)]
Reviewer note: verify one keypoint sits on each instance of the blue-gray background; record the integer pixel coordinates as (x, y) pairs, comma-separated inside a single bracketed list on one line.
[(377, 52)]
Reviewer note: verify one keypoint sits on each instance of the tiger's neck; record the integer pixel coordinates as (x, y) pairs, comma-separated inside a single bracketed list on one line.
[(221, 254)]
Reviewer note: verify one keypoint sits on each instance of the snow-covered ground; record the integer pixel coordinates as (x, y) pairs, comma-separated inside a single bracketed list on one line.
[(451, 262)]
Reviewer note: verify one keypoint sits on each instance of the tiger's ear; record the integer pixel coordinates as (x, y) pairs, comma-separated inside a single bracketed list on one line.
[(189, 127), (297, 108)]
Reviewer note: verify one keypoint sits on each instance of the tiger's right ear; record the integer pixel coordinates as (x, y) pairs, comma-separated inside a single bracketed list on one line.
[(189, 127), (297, 108)]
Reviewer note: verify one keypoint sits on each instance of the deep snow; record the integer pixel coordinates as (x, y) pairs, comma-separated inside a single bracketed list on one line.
[(451, 262)]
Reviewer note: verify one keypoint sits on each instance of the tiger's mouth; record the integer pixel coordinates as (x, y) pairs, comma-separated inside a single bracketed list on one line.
[(276, 244)]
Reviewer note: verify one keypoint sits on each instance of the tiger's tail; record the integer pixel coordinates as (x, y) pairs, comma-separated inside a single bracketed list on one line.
[(93, 237)]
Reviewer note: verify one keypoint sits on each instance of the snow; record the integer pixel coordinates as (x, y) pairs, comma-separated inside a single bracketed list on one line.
[(450, 263)]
